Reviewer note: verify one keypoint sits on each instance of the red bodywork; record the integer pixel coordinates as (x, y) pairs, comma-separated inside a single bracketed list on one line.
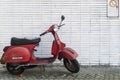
[(24, 53), (18, 54), (68, 53)]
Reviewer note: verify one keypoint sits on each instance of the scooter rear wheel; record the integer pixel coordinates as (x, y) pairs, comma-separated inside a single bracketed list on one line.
[(11, 69), (72, 65)]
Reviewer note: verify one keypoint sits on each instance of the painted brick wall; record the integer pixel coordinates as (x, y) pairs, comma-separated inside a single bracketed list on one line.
[(94, 36)]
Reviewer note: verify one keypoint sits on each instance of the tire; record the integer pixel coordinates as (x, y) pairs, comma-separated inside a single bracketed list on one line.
[(71, 65), (11, 69)]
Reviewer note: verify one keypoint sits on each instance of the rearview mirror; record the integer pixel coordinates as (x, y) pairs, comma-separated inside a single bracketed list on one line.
[(62, 17)]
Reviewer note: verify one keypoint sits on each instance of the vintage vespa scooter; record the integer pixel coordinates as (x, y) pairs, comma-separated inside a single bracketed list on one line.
[(20, 55)]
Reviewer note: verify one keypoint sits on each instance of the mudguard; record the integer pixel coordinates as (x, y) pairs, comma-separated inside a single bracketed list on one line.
[(16, 55), (68, 53)]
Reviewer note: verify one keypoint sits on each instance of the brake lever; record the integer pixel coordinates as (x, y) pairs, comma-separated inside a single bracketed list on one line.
[(61, 25)]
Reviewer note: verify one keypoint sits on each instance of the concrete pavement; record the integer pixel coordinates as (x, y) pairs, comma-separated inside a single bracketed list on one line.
[(60, 73)]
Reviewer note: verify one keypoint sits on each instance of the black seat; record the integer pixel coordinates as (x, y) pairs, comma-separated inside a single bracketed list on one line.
[(23, 41)]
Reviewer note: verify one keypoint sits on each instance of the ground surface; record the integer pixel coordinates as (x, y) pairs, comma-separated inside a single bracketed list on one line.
[(60, 73)]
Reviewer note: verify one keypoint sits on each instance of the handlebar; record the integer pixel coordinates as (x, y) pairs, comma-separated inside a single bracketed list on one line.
[(53, 26), (43, 33)]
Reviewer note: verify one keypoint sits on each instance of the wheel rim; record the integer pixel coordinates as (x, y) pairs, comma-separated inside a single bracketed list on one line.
[(70, 65), (11, 68)]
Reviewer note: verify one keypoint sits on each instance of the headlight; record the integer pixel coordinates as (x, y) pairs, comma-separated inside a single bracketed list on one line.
[(56, 27)]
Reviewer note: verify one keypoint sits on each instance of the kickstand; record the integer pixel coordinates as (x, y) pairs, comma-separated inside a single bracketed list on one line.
[(42, 68), (21, 75)]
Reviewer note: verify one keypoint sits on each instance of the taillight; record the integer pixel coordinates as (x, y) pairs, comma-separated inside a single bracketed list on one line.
[(3, 60)]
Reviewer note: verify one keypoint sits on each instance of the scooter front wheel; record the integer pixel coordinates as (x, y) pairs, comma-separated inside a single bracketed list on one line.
[(12, 69), (71, 65)]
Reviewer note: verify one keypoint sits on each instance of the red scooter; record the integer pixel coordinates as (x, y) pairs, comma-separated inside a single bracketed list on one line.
[(20, 55)]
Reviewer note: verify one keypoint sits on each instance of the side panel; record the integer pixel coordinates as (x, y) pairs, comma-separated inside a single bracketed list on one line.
[(17, 55), (68, 53), (5, 48)]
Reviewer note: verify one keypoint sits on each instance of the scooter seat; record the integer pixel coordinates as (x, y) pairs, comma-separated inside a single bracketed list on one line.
[(24, 41)]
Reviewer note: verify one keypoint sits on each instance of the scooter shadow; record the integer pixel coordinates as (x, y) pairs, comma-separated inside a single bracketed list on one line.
[(39, 73), (51, 72), (47, 72)]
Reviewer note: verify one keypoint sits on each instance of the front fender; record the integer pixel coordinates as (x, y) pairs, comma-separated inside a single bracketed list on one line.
[(68, 53)]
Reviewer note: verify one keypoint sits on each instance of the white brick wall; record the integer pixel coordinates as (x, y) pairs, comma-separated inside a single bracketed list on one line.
[(88, 30)]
